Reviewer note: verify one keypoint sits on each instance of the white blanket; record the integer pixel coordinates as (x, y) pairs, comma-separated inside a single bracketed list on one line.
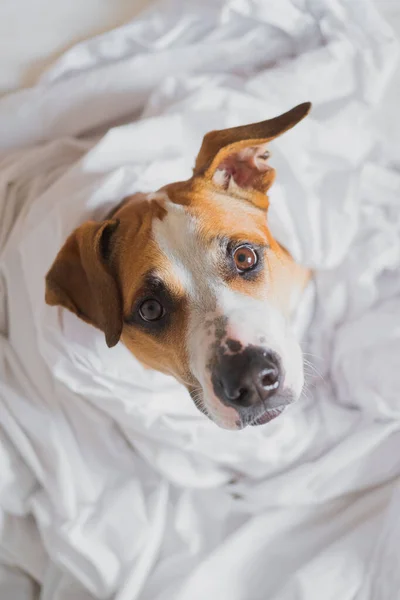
[(112, 484)]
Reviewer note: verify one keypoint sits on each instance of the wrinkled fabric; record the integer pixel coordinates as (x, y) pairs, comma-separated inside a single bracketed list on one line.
[(112, 484)]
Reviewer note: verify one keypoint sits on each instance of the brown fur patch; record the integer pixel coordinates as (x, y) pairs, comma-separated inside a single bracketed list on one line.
[(137, 254)]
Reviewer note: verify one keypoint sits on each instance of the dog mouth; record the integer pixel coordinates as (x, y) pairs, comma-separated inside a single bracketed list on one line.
[(263, 417), (266, 416)]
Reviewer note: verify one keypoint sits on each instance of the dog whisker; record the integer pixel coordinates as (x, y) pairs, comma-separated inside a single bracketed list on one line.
[(312, 355), (313, 369), (198, 399)]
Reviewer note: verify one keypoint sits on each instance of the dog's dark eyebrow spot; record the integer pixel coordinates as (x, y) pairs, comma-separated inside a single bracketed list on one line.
[(152, 282)]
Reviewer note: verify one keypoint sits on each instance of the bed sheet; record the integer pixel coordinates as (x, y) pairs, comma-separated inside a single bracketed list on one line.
[(112, 485)]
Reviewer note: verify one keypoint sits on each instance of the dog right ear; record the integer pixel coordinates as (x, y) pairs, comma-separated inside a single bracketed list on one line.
[(236, 159), (82, 281)]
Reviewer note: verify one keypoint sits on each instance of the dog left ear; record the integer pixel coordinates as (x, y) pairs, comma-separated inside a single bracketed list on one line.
[(236, 158), (81, 279)]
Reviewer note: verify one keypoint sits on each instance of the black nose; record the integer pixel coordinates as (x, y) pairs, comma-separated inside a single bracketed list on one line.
[(248, 377)]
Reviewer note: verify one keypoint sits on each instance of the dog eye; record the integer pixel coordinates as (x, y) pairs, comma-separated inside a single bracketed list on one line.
[(245, 258), (151, 310)]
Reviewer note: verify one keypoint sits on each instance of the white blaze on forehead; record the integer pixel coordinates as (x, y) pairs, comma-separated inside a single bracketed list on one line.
[(177, 237)]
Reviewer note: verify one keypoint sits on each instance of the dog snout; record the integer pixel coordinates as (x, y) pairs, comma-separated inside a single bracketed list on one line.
[(247, 378)]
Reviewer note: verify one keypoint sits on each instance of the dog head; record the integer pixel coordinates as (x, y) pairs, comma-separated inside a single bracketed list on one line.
[(194, 284)]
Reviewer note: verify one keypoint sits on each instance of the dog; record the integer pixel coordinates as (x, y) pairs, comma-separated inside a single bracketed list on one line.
[(192, 281)]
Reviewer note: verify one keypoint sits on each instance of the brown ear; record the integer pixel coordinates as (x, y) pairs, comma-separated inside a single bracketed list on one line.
[(81, 280), (239, 155)]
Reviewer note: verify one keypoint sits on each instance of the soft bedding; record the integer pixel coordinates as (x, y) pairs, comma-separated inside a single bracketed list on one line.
[(112, 484)]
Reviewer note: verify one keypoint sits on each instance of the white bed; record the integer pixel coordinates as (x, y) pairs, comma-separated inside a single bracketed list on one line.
[(112, 485)]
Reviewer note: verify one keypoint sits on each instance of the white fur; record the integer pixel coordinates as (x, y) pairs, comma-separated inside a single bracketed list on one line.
[(176, 236), (221, 177)]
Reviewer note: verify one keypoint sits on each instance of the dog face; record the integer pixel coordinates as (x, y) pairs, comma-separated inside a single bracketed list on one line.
[(194, 284)]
